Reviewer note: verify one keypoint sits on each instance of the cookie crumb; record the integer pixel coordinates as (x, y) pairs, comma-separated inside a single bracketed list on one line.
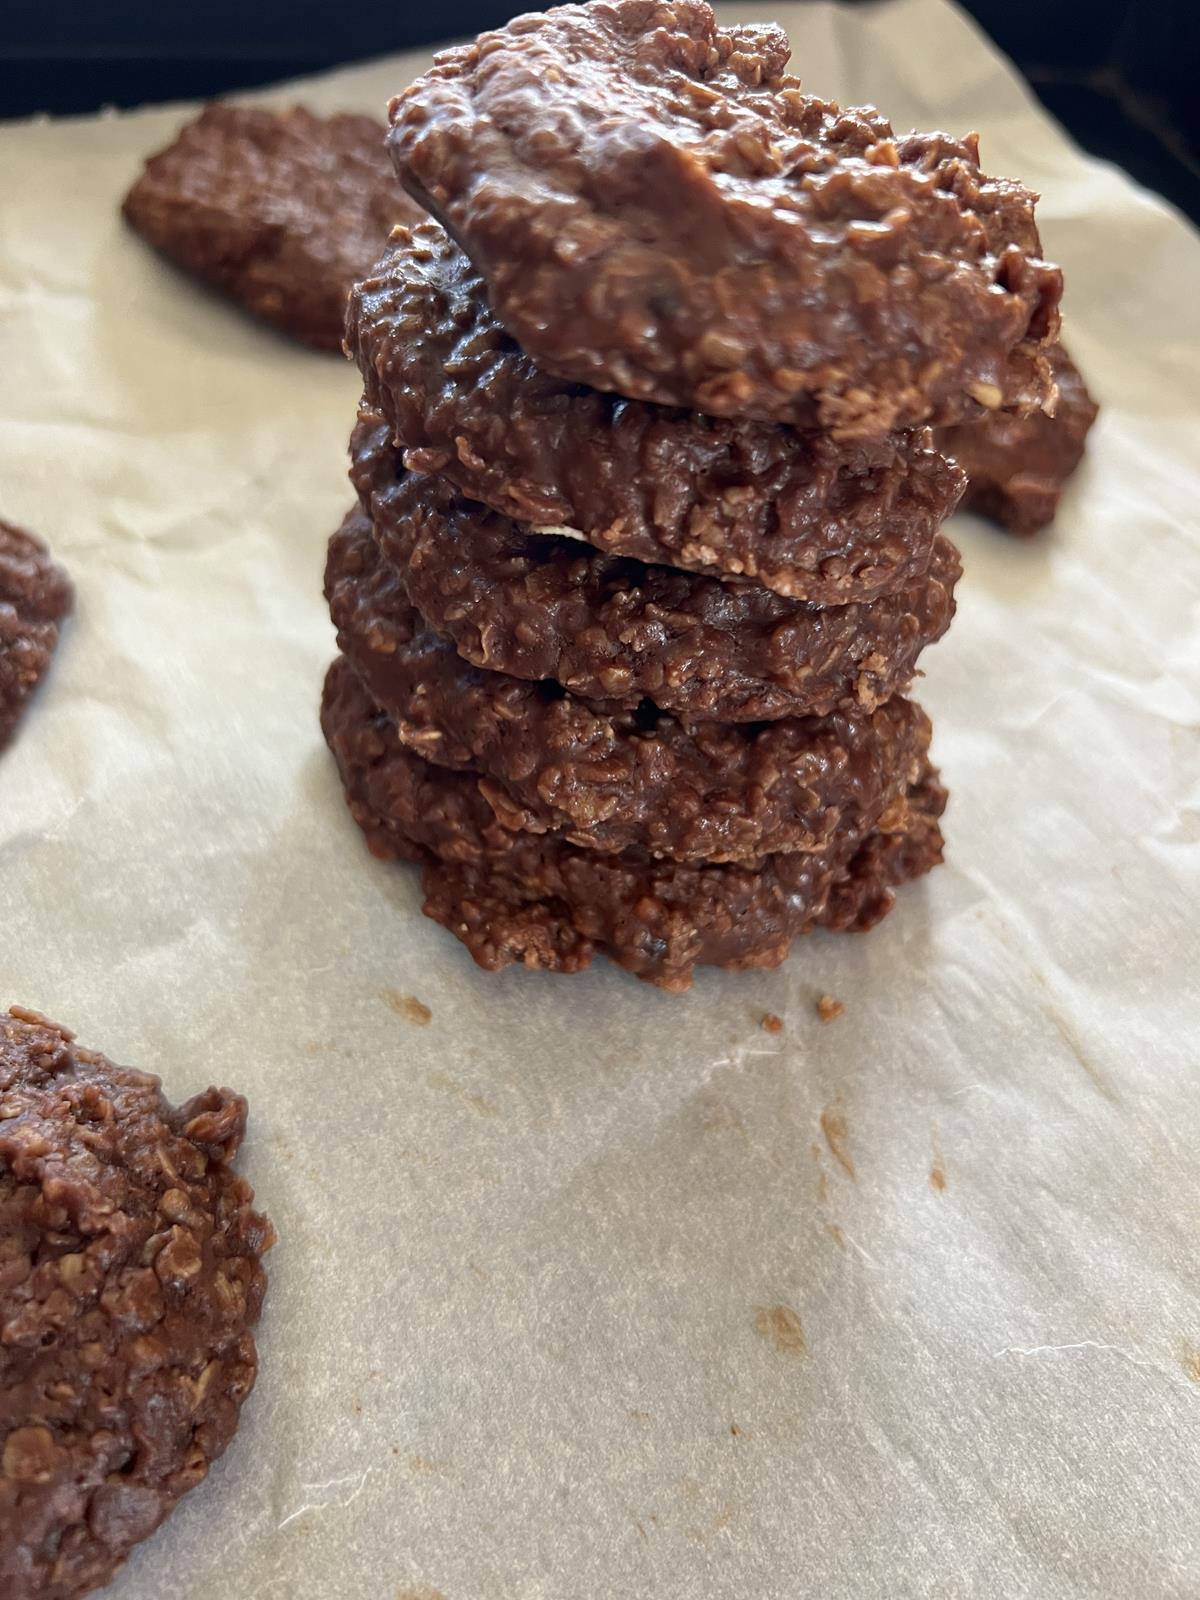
[(781, 1327), (829, 1009), (771, 1023), (408, 1007)]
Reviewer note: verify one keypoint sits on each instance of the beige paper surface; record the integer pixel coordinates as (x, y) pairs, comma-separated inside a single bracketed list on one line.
[(524, 1337)]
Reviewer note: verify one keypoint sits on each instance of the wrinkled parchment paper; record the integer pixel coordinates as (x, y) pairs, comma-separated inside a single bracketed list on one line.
[(585, 1291)]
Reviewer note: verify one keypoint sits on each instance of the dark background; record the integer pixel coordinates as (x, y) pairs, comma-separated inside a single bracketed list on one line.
[(1123, 75)]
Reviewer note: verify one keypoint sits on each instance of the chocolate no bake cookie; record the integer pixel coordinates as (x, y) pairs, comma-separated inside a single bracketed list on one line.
[(130, 1278), (1018, 467), (279, 210), (657, 209), (538, 900), (611, 777), (618, 630), (35, 596), (806, 515)]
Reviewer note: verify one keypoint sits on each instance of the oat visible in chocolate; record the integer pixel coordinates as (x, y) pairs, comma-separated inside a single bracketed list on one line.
[(130, 1278), (658, 209), (611, 777), (35, 596), (1018, 467), (618, 630), (810, 517), (279, 210), (540, 901)]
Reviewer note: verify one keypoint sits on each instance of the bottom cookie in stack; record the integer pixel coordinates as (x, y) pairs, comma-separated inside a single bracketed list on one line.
[(542, 901)]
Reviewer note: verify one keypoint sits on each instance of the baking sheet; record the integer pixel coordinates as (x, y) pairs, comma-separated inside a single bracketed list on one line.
[(583, 1290)]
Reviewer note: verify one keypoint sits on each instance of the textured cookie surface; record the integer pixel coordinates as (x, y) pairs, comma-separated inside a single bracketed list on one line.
[(130, 1280), (279, 210), (619, 630), (814, 518), (542, 902), (1018, 467), (611, 778), (35, 596), (658, 209)]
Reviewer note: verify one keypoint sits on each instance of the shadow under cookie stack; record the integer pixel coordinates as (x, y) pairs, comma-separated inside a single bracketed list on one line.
[(647, 538)]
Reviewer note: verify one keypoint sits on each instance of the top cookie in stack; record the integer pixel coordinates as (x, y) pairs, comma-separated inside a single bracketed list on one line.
[(647, 543), (658, 210)]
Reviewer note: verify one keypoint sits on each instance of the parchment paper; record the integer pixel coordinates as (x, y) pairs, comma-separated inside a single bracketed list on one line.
[(524, 1336)]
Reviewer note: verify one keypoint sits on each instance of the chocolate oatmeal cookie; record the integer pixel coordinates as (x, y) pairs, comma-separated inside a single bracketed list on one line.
[(279, 210), (541, 901), (1018, 467), (806, 515), (610, 777), (616, 630), (35, 596), (657, 209), (130, 1278)]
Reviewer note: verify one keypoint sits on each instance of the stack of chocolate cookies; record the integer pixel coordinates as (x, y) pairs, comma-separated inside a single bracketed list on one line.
[(647, 538)]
